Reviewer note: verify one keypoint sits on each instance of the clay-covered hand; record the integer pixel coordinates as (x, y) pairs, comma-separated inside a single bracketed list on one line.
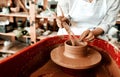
[(90, 35), (60, 21), (87, 36)]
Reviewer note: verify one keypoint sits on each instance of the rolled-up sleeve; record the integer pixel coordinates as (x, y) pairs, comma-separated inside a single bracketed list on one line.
[(110, 18)]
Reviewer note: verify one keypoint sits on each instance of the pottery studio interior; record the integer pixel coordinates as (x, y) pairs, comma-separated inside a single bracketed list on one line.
[(59, 38)]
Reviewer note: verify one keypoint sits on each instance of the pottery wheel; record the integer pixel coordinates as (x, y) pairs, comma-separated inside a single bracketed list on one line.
[(92, 59)]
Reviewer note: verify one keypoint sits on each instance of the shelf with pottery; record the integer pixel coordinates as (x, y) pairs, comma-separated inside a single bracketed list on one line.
[(32, 17), (46, 36), (24, 36), (12, 34), (8, 48), (10, 17), (23, 14)]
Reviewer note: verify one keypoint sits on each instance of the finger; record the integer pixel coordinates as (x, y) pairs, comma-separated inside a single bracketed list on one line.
[(64, 19), (84, 34), (59, 23), (90, 39), (90, 36)]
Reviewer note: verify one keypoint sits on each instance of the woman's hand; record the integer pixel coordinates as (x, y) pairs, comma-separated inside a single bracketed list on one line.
[(87, 36), (90, 35), (60, 21)]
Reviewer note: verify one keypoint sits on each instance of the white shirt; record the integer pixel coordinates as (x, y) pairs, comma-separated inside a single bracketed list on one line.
[(85, 15)]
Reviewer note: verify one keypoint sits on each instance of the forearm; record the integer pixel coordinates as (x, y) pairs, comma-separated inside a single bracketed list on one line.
[(89, 35), (97, 31)]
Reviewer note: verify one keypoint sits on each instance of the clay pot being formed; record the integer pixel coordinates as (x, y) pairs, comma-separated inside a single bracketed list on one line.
[(75, 57), (75, 51)]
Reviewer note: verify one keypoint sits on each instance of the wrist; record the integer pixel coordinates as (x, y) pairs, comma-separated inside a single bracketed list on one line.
[(97, 31)]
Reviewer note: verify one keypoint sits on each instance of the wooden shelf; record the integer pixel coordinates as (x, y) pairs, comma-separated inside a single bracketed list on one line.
[(8, 34), (12, 34), (32, 17), (39, 16), (12, 49), (40, 37), (20, 14), (51, 35)]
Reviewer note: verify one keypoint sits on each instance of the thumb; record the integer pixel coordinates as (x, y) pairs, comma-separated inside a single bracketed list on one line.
[(84, 34)]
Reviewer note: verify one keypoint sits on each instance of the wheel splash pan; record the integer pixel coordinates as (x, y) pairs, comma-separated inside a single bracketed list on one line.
[(26, 61)]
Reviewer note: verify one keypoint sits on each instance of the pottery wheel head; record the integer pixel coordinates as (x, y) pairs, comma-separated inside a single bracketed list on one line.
[(75, 57)]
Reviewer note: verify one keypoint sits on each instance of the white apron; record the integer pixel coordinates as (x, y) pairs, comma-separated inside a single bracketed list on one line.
[(86, 15)]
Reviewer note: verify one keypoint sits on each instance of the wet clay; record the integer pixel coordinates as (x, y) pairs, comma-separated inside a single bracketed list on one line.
[(106, 68), (50, 69), (75, 57)]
